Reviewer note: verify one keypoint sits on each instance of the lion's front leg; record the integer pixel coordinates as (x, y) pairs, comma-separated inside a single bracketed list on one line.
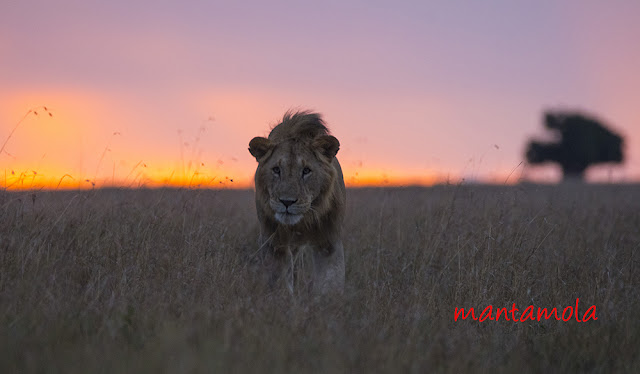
[(329, 269), (277, 266), (277, 262)]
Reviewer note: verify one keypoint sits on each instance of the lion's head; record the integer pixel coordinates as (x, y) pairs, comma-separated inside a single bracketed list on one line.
[(296, 175)]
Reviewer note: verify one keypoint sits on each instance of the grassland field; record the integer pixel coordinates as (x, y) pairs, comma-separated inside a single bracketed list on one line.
[(166, 281)]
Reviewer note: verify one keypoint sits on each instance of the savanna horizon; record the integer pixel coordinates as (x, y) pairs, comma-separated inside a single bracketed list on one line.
[(189, 169), (48, 150), (33, 180), (29, 179)]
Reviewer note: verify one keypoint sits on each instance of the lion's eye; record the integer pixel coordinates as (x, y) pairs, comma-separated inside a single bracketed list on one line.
[(276, 170), (306, 171)]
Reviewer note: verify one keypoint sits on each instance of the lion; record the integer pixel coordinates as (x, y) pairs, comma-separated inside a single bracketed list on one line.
[(300, 198)]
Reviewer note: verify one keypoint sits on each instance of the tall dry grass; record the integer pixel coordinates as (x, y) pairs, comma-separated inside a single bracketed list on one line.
[(148, 281)]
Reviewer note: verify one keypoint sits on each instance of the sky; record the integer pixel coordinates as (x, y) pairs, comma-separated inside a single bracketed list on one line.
[(148, 93)]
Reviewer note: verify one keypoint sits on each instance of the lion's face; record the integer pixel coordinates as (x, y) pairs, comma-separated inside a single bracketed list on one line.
[(294, 176)]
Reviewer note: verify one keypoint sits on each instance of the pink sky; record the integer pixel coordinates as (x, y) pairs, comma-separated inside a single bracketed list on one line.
[(415, 92)]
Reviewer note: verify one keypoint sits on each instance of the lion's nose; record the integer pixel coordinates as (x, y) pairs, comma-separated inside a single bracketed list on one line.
[(287, 203)]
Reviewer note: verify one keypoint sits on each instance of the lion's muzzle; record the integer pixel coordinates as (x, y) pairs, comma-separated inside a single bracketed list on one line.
[(288, 211)]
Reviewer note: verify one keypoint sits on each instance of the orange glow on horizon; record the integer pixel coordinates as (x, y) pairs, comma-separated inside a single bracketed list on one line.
[(33, 180), (83, 146), (87, 144), (148, 176), (144, 176)]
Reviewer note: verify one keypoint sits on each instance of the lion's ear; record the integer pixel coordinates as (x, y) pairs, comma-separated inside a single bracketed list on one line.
[(328, 145), (259, 146)]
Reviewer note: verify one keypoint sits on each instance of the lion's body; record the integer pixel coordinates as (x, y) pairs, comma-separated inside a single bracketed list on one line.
[(301, 196)]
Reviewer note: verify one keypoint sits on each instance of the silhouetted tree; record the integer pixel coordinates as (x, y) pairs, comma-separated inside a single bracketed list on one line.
[(582, 142)]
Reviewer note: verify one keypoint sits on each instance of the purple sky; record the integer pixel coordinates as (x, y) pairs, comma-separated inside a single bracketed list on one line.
[(410, 88)]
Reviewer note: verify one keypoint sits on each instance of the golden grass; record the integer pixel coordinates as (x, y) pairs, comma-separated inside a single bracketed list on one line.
[(148, 281)]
